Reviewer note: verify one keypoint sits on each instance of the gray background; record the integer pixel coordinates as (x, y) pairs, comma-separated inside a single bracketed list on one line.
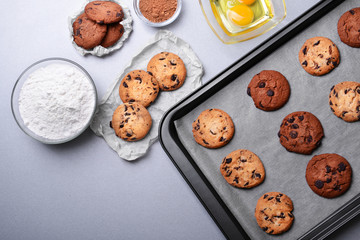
[(82, 189)]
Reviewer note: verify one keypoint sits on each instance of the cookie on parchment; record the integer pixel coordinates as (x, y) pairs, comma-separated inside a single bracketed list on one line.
[(104, 12), (168, 69), (319, 55), (269, 90), (213, 128), (328, 175), (273, 212), (113, 34), (131, 121), (344, 101), (349, 27), (301, 132), (139, 86), (243, 168)]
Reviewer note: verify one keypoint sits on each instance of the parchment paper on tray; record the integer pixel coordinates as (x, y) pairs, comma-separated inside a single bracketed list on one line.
[(164, 41), (99, 50)]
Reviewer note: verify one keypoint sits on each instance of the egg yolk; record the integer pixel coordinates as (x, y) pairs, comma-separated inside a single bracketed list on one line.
[(247, 2), (241, 15)]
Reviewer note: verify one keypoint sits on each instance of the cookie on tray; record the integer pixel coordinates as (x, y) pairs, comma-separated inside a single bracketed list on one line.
[(319, 55), (213, 128), (139, 86), (104, 12), (168, 69), (243, 169), (301, 132), (328, 175), (349, 28), (131, 121), (269, 90), (273, 212), (87, 33), (113, 34), (344, 101)]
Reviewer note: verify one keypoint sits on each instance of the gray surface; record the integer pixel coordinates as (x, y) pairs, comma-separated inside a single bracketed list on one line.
[(82, 189)]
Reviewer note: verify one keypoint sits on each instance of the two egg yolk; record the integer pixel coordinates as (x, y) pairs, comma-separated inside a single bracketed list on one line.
[(241, 15)]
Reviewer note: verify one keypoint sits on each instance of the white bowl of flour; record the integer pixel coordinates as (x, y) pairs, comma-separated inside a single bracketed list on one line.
[(54, 100)]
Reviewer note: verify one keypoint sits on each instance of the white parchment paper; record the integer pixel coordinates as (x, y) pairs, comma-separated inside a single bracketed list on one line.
[(99, 50), (163, 41)]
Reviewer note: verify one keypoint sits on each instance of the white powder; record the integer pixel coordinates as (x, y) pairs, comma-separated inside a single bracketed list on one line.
[(56, 101)]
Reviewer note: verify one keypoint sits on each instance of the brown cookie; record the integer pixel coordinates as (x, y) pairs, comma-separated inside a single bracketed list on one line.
[(139, 86), (273, 212), (344, 100), (328, 175), (104, 12), (349, 27), (213, 128), (113, 34), (269, 90), (319, 55), (301, 132), (168, 69), (131, 121), (242, 168), (87, 33)]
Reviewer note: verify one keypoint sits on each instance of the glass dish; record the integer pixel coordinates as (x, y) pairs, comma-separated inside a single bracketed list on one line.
[(17, 89), (277, 8)]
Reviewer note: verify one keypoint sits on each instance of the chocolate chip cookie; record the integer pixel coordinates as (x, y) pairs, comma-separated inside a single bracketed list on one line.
[(269, 90), (113, 34), (139, 86), (319, 55), (168, 69), (273, 212), (301, 132), (131, 121), (242, 168), (213, 128), (104, 12), (87, 33), (328, 175), (344, 101), (349, 27)]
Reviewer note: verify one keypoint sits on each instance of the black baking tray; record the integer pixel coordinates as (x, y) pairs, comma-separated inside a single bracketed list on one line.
[(186, 165)]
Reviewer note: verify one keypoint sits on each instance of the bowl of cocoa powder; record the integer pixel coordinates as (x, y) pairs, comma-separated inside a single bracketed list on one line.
[(157, 13)]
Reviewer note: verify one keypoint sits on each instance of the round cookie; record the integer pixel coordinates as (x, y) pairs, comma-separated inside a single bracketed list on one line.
[(242, 168), (344, 101), (269, 90), (213, 128), (104, 12), (139, 86), (349, 27), (87, 33), (131, 121), (319, 55), (168, 69), (273, 212), (114, 33), (301, 132), (328, 175)]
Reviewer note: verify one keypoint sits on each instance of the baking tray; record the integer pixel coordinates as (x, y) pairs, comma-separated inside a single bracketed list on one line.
[(315, 217)]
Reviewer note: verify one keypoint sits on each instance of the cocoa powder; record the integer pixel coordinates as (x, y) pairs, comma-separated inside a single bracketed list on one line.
[(157, 10)]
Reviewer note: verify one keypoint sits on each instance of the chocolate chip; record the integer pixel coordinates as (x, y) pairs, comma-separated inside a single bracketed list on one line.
[(248, 92), (150, 73), (128, 77), (293, 134), (228, 160), (358, 108), (270, 198), (316, 65), (205, 142), (243, 160), (236, 179), (172, 63), (358, 90), (131, 100), (265, 196), (343, 113), (266, 218), (100, 22), (305, 50), (341, 167), (319, 184), (128, 134), (80, 21), (118, 14), (139, 79), (125, 85), (197, 127), (261, 85), (290, 215), (212, 132), (261, 105), (330, 102), (309, 139), (173, 77), (111, 124), (352, 12), (77, 32), (121, 125), (127, 114), (346, 91), (279, 134), (270, 93), (294, 126), (335, 64), (328, 61), (301, 118), (125, 108), (330, 49), (305, 63), (328, 168), (320, 55), (161, 58), (291, 120), (265, 228), (247, 183), (222, 139), (97, 3), (328, 180), (271, 231), (278, 199), (318, 143), (317, 43), (337, 187)]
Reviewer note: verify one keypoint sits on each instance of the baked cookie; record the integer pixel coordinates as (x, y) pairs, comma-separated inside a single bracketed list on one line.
[(242, 168), (349, 27), (269, 90), (213, 128), (328, 175), (168, 69), (301, 132), (319, 55), (273, 212), (344, 100), (139, 86), (104, 12), (113, 34), (131, 121), (87, 33)]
